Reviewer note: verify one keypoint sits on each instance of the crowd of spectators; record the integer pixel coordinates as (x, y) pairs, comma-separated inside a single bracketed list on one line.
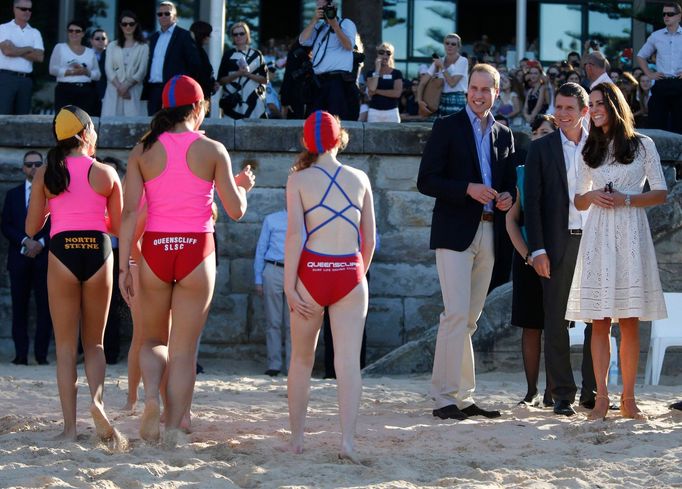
[(323, 67)]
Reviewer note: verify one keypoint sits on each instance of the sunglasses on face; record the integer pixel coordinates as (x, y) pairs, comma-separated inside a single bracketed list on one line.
[(75, 31), (163, 14), (128, 24), (238, 34), (99, 38), (670, 14), (382, 52), (33, 164), (451, 44), (25, 9)]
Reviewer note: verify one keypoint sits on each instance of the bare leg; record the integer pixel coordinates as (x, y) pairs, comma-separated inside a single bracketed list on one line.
[(304, 333), (96, 293), (65, 303), (191, 302), (601, 354), (156, 297), (134, 373), (629, 359), (348, 321)]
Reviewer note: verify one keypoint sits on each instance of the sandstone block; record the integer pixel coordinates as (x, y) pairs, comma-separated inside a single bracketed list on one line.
[(227, 321), (397, 172), (403, 280), (241, 275), (396, 138), (421, 314), (408, 209), (386, 319), (120, 132), (406, 245)]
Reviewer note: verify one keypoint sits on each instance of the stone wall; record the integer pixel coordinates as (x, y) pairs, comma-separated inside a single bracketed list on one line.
[(405, 298)]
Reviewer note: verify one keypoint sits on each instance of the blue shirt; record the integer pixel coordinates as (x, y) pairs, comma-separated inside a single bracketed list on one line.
[(668, 49), (270, 243), (159, 55), (482, 138), (328, 52)]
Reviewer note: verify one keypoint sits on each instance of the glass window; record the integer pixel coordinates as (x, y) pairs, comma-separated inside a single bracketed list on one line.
[(611, 30), (560, 31), (432, 21), (246, 11), (395, 26)]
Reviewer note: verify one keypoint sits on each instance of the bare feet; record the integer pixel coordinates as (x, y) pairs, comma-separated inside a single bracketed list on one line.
[(186, 422), (66, 435), (296, 445), (149, 424), (629, 409), (172, 438), (601, 407), (349, 455), (103, 427), (129, 406)]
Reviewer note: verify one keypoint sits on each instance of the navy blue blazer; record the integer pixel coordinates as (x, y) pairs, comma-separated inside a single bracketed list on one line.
[(449, 163), (182, 56), (13, 225)]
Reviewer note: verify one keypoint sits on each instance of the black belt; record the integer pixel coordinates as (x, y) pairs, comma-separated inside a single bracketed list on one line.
[(77, 84), (276, 263), (16, 73), (333, 74), (487, 217), (575, 232)]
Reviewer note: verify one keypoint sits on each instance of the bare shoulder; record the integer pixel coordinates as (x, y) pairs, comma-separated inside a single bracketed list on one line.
[(208, 144), (358, 175)]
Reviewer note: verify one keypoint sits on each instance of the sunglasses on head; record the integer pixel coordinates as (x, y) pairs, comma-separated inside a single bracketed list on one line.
[(128, 24), (25, 9), (238, 34), (163, 14), (33, 164), (670, 14), (75, 31), (382, 52)]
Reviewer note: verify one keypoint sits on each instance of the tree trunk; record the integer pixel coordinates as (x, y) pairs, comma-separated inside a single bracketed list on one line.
[(366, 14)]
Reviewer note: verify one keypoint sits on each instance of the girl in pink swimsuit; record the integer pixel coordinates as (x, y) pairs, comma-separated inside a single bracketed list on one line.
[(325, 266), (83, 198), (179, 168)]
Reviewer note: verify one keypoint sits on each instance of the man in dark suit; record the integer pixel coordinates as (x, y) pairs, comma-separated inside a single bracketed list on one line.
[(99, 42), (554, 228), (27, 266), (468, 166), (172, 52)]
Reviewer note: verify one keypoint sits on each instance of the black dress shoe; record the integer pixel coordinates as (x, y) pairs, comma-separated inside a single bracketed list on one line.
[(589, 404), (200, 369), (42, 361), (677, 405), (272, 372), (530, 400), (474, 410), (449, 412), (564, 408), (20, 361)]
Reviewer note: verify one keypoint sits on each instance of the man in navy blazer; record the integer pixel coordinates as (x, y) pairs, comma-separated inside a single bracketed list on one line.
[(172, 51), (27, 266), (468, 166)]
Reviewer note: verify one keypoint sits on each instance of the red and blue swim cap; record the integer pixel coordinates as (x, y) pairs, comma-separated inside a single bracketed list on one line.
[(321, 132), (181, 90)]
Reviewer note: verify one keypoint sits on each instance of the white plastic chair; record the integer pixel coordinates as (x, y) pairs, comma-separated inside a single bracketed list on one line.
[(576, 336), (664, 334)]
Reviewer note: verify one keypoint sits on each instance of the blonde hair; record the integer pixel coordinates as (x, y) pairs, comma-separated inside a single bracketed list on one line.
[(453, 35), (388, 46), (244, 26), (486, 68), (170, 5)]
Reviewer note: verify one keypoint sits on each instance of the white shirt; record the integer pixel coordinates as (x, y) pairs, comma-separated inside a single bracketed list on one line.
[(27, 191), (63, 58), (459, 67), (603, 78), (328, 52), (28, 36), (159, 55), (573, 156), (668, 49)]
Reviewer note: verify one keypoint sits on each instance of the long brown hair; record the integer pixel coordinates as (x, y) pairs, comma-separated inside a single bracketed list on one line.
[(621, 130), (306, 158), (57, 176), (163, 121)]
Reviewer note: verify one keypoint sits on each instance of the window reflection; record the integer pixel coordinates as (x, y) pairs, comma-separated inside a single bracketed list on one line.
[(432, 21), (611, 30), (245, 11), (560, 31), (395, 26)]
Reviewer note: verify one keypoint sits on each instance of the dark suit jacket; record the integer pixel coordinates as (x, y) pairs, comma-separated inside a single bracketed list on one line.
[(13, 224), (546, 197), (449, 163), (182, 57), (101, 84)]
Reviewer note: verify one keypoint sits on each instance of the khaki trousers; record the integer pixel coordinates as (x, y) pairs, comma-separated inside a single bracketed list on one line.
[(276, 318), (464, 279)]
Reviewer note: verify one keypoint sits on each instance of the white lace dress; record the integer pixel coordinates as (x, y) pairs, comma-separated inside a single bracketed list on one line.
[(616, 273)]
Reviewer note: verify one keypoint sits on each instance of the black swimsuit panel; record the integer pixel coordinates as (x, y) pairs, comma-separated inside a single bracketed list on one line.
[(82, 252)]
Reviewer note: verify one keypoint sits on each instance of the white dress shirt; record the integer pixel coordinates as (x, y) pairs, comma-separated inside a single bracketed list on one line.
[(28, 36), (159, 55), (668, 49), (603, 78)]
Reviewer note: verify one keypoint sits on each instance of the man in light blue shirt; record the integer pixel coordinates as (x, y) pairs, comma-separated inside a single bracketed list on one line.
[(332, 40), (665, 103), (268, 270)]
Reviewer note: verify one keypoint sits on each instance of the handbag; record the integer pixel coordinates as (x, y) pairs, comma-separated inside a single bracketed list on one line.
[(431, 96)]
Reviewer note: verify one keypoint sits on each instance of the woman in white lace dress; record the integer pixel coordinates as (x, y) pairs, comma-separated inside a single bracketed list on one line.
[(616, 277)]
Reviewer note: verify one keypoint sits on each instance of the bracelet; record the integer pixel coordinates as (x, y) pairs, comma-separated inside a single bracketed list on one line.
[(628, 202), (528, 255)]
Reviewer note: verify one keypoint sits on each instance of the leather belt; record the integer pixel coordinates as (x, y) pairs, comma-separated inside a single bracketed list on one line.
[(487, 217), (276, 263), (16, 73), (75, 84), (575, 232)]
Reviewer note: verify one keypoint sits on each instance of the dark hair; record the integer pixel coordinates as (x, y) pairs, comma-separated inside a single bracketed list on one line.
[(570, 89), (57, 177), (164, 120), (621, 130), (674, 5), (573, 53), (99, 29), (77, 23), (32, 152), (137, 33), (201, 31), (540, 119)]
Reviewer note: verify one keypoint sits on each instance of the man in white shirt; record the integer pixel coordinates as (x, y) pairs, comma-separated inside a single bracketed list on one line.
[(596, 68), (665, 103), (20, 46)]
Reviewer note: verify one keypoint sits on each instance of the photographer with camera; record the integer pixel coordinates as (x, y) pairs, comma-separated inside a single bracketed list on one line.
[(243, 75), (332, 40)]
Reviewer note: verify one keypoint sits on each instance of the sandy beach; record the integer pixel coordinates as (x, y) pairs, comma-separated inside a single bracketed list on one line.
[(240, 424)]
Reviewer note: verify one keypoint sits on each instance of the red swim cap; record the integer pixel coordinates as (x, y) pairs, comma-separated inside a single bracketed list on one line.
[(321, 132), (181, 90)]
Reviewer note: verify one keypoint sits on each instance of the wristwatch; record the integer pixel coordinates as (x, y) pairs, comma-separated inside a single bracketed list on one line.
[(627, 200), (528, 255)]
